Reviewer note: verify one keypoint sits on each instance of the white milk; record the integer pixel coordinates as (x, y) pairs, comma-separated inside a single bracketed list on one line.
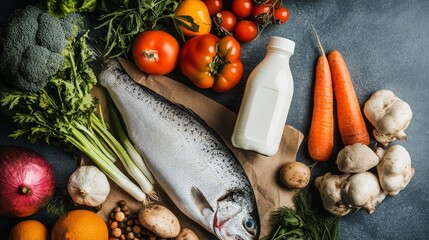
[(266, 101)]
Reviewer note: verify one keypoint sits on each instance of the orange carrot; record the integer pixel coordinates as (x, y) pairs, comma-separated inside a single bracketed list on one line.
[(321, 137), (350, 120)]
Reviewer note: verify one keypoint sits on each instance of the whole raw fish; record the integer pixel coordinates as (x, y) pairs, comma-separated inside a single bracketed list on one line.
[(189, 161)]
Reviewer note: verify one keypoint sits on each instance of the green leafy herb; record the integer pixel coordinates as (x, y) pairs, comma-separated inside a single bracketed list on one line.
[(305, 222), (61, 8), (49, 112), (125, 19), (55, 207), (65, 110)]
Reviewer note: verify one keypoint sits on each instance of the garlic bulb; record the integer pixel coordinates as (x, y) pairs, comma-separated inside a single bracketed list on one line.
[(88, 186)]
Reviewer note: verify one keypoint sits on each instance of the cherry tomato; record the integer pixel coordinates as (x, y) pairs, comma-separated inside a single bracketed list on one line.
[(281, 15), (155, 52), (242, 8), (261, 14), (214, 6), (245, 30), (228, 20)]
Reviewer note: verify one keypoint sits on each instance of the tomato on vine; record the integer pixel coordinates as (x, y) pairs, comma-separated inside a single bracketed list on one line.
[(228, 20), (242, 8), (245, 30), (214, 6), (275, 3), (281, 15), (262, 14)]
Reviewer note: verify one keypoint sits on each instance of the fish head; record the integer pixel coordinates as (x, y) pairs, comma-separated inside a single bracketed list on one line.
[(237, 218)]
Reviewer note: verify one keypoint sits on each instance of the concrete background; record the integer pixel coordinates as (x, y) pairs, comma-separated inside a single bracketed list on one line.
[(385, 44)]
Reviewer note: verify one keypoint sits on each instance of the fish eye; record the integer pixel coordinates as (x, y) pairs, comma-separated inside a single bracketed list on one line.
[(249, 225)]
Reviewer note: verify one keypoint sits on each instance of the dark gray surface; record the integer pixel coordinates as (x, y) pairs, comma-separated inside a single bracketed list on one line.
[(385, 45)]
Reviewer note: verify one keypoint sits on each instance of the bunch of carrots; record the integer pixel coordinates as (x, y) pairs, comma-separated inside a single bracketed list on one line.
[(332, 77)]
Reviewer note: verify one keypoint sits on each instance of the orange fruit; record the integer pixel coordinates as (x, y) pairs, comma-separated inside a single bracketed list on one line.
[(80, 225), (29, 230)]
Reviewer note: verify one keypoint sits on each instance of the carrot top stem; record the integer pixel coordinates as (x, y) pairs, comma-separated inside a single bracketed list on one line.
[(318, 40)]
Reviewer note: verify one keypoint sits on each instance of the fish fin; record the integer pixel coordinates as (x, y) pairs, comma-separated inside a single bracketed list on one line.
[(200, 200)]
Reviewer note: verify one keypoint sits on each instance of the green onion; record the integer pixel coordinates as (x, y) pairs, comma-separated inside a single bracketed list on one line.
[(135, 160), (126, 160), (107, 166)]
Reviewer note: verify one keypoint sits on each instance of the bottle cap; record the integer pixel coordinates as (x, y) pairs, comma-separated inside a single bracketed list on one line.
[(281, 43)]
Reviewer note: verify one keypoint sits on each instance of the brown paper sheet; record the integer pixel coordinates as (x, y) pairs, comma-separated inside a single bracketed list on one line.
[(261, 170)]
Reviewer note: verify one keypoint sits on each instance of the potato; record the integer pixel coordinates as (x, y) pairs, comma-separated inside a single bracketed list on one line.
[(187, 234), (159, 220), (295, 175)]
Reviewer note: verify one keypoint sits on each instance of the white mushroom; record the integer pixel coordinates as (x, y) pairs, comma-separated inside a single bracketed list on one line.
[(356, 158), (330, 192), (362, 190), (342, 193), (389, 115), (394, 170)]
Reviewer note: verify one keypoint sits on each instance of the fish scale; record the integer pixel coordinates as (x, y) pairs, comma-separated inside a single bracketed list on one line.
[(189, 161)]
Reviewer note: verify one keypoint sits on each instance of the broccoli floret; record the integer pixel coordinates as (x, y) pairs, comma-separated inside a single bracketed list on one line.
[(18, 35), (72, 24), (32, 45), (37, 63), (50, 34)]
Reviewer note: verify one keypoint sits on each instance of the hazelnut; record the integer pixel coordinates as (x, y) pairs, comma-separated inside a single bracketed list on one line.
[(117, 232), (119, 216)]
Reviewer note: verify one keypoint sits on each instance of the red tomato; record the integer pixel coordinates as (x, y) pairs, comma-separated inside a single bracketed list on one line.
[(228, 20), (214, 6), (210, 62), (261, 14), (245, 30), (242, 8), (155, 52), (281, 15)]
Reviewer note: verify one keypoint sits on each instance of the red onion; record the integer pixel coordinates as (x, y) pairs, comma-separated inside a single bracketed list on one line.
[(27, 181)]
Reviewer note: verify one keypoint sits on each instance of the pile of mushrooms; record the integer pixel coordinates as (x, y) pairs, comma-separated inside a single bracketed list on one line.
[(369, 175)]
